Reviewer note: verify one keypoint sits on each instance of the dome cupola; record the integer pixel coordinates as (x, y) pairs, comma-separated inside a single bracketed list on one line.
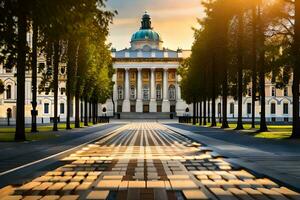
[(146, 38)]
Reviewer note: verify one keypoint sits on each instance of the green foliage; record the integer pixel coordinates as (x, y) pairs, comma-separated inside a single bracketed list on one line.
[(2, 87)]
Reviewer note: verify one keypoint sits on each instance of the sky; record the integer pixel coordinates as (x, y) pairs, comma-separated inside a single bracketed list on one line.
[(172, 19)]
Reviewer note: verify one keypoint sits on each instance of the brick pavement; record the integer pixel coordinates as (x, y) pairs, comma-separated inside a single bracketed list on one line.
[(147, 161)]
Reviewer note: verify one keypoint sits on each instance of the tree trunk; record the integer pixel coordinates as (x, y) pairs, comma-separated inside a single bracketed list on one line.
[(21, 68), (55, 83), (34, 75), (90, 111), (197, 112), (224, 101), (81, 110), (296, 73), (204, 112), (240, 63), (69, 107), (77, 108), (263, 124), (254, 63), (200, 121), (86, 123), (194, 113), (213, 98), (208, 111)]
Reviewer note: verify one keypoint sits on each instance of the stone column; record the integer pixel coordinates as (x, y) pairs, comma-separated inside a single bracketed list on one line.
[(166, 102), (126, 102), (139, 100), (153, 104)]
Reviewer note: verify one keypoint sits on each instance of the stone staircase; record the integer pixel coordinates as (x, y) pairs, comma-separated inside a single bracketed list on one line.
[(145, 115)]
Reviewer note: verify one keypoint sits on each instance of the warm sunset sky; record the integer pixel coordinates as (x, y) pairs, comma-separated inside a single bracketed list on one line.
[(173, 19)]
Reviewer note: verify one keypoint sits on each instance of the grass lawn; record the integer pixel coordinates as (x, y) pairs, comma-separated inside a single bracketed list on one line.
[(275, 131), (45, 132)]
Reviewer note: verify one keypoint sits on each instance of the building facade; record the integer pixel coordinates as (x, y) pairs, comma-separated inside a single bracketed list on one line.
[(146, 79)]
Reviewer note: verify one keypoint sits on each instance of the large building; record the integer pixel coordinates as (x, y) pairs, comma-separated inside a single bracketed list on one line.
[(146, 81)]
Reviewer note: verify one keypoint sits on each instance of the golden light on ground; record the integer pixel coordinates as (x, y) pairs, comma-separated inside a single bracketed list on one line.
[(147, 159)]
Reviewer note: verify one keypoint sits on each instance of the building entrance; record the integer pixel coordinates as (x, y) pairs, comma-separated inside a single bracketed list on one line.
[(146, 109)]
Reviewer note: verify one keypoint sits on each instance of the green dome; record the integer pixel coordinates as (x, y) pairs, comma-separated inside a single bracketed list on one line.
[(146, 34)]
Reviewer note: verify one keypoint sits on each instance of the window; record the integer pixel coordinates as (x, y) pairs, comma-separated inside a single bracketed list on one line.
[(146, 92), (62, 91), (286, 92), (8, 70), (249, 92), (249, 106), (8, 92), (41, 67), (219, 108), (46, 108), (158, 92), (62, 70), (285, 108), (273, 92), (62, 108), (231, 108), (172, 93), (120, 93), (132, 92), (273, 108)]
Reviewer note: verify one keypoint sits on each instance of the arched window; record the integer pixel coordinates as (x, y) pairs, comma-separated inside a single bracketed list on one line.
[(8, 92), (273, 108), (273, 92), (172, 92), (249, 92), (158, 92), (120, 93), (132, 92), (146, 92), (286, 92)]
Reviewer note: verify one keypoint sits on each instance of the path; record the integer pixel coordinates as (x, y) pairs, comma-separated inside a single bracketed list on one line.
[(147, 161), (278, 159)]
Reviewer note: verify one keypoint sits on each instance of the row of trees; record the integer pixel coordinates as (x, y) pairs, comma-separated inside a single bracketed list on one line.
[(240, 43), (70, 32)]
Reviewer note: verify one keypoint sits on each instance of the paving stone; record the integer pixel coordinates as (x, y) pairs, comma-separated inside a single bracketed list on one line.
[(32, 197), (182, 184), (109, 184), (222, 194), (8, 190), (43, 186), (71, 186), (287, 192), (12, 197), (136, 184), (255, 193), (241, 194), (57, 186), (84, 186), (179, 177), (113, 177), (69, 197), (155, 184), (50, 197), (194, 194), (95, 195), (273, 194)]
